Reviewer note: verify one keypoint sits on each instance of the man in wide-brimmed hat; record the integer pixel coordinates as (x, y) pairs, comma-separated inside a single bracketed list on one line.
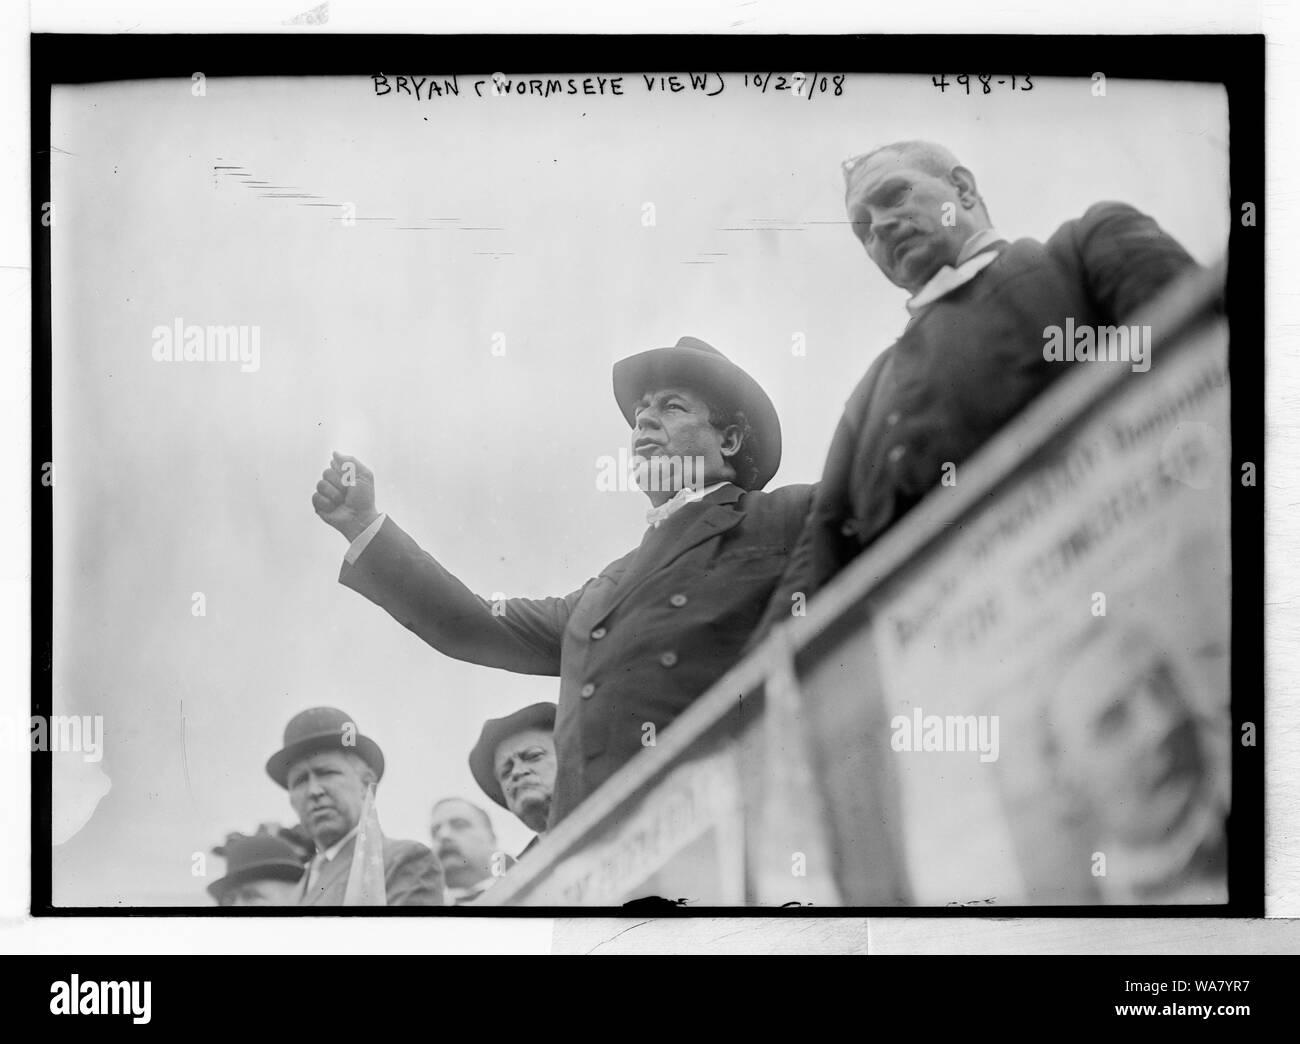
[(636, 644), (262, 869), (514, 762), (330, 769)]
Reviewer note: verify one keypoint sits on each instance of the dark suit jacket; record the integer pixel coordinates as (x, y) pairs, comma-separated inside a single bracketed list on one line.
[(412, 876), (635, 644), (964, 367)]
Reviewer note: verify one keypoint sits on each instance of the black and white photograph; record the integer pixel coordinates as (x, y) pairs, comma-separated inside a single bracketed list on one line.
[(565, 488)]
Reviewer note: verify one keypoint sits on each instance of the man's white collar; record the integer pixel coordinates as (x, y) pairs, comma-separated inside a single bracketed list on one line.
[(680, 499), (972, 259), (334, 849)]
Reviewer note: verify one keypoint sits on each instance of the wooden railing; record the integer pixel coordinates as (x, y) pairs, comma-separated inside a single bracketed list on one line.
[(1096, 520)]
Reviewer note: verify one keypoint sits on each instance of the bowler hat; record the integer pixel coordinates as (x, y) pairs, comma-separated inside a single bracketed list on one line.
[(322, 728), (700, 366), (535, 716), (260, 857)]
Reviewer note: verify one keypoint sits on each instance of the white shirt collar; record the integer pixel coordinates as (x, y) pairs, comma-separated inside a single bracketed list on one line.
[(976, 243), (680, 499), (328, 854), (970, 262)]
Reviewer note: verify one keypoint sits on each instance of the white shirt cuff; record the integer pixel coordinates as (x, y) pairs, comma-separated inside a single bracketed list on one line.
[(363, 540)]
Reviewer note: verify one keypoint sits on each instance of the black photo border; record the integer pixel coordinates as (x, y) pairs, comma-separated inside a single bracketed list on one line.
[(1236, 61)]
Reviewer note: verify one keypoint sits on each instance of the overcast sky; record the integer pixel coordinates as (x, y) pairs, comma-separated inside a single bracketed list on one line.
[(514, 222)]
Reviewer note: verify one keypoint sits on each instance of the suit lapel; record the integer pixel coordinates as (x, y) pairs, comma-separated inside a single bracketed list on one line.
[(715, 514)]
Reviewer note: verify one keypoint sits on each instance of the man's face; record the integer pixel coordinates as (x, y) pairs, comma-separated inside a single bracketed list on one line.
[(673, 425), (1132, 747), (463, 841), (267, 892), (326, 790), (897, 212), (525, 769)]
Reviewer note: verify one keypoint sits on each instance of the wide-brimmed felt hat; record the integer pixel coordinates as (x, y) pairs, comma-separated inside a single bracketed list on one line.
[(322, 728), (260, 857), (698, 365), (534, 716)]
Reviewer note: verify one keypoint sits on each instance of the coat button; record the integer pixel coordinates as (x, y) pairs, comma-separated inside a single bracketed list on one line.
[(599, 633), (677, 600), (893, 418), (668, 659), (586, 691), (896, 454)]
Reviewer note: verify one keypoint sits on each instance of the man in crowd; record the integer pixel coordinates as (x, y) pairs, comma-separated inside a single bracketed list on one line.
[(972, 353), (262, 869), (327, 765), (635, 645), (466, 846), (514, 762)]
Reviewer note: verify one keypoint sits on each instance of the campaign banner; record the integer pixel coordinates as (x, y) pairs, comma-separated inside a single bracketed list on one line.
[(684, 840), (1055, 671)]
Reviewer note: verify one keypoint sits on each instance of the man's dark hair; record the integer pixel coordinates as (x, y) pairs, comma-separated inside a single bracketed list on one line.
[(487, 820), (723, 416)]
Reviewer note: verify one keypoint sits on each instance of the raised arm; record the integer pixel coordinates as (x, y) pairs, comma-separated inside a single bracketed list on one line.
[(386, 566)]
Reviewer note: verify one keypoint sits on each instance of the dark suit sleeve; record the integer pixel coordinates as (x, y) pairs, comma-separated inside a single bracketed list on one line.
[(515, 634), (1125, 257), (414, 878), (823, 546), (802, 575)]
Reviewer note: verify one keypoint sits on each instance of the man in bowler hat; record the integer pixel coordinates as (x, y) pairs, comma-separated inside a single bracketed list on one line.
[(638, 642), (327, 765), (514, 762)]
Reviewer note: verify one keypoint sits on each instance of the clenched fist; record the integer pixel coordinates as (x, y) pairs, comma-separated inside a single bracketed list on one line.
[(345, 496)]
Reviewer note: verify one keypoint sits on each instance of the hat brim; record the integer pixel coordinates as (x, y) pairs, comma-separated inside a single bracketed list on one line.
[(534, 716), (714, 375), (279, 870), (277, 767)]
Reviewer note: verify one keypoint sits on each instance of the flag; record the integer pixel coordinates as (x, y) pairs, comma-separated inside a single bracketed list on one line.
[(366, 875)]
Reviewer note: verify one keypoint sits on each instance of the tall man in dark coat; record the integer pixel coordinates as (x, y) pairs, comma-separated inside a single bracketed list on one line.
[(972, 354), (636, 644)]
